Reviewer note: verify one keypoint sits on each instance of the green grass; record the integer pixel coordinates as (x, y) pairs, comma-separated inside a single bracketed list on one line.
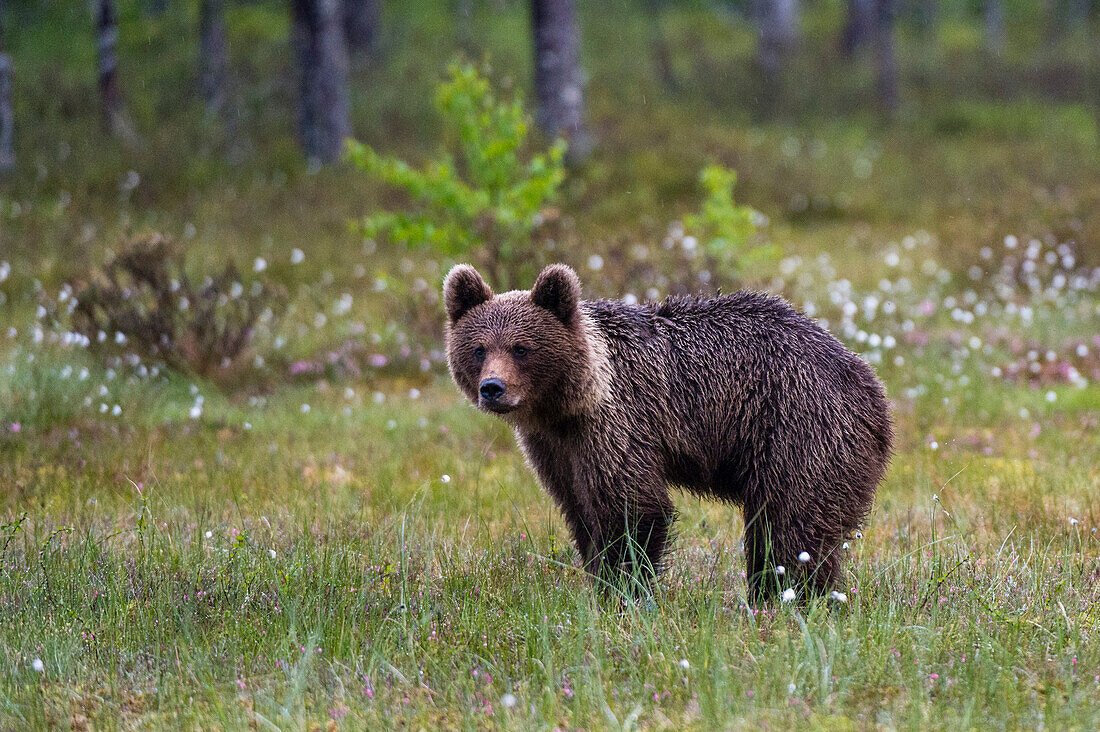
[(317, 567), (245, 562)]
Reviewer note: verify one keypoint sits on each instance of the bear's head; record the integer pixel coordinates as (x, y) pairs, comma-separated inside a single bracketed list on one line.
[(524, 353)]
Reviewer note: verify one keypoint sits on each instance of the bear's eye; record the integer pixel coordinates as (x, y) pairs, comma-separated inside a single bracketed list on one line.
[(519, 351), (479, 353)]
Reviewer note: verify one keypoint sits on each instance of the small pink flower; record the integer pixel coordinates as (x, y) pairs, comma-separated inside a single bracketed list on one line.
[(934, 677), (16, 427)]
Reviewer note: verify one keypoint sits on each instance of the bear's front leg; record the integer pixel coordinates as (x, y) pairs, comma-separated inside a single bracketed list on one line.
[(629, 545)]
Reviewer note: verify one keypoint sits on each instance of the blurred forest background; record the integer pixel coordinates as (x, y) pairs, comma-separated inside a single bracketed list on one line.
[(857, 111), (221, 125)]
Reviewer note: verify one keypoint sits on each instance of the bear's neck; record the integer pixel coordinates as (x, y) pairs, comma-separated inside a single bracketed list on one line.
[(585, 390)]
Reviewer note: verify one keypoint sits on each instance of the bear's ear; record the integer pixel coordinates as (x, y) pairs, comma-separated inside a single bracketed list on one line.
[(558, 289), (463, 289)]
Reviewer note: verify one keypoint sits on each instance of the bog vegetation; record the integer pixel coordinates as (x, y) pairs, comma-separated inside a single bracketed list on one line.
[(238, 490)]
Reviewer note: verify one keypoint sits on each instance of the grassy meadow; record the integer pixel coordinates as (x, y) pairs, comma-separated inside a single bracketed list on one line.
[(330, 538)]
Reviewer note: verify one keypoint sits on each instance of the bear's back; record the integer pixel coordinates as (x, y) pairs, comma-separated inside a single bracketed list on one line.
[(726, 376)]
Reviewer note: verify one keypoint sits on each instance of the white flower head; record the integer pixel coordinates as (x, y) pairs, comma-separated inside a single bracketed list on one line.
[(838, 596), (271, 553), (684, 664), (38, 666), (780, 570), (788, 595), (804, 557), (444, 478), (508, 701)]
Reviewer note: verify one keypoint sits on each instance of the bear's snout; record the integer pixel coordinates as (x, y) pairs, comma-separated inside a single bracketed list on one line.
[(494, 396), (492, 389)]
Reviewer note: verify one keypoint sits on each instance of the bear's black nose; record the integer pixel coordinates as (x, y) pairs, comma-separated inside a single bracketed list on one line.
[(492, 389)]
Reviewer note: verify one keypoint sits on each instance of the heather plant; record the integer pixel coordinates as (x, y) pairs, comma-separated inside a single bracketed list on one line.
[(482, 195), (143, 306)]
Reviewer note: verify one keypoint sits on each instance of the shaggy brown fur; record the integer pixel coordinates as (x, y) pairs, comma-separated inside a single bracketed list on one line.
[(738, 397)]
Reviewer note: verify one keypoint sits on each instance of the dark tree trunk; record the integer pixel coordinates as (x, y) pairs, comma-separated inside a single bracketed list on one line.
[(559, 85), (885, 58), (994, 12), (777, 27), (925, 14), (859, 28), (659, 48), (7, 116), (114, 116), (362, 19), (464, 31), (323, 62), (213, 54)]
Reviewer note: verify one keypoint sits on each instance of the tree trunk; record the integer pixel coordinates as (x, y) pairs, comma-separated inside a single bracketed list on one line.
[(362, 19), (114, 115), (777, 26), (213, 54), (859, 27), (464, 31), (7, 116), (885, 58), (659, 48), (994, 26), (925, 14), (559, 85), (323, 62)]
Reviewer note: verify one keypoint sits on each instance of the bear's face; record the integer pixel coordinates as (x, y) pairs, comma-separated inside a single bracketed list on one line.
[(514, 353)]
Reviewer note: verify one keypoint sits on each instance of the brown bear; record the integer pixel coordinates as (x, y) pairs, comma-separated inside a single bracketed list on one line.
[(736, 397)]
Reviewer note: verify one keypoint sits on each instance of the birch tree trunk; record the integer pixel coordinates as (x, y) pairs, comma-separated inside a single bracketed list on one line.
[(114, 117), (323, 117), (213, 54), (7, 115), (777, 27), (559, 83), (994, 13), (885, 57)]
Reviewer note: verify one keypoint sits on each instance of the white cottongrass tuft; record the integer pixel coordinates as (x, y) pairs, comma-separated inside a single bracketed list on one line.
[(1072, 521), (791, 688), (297, 256), (838, 596), (684, 664), (788, 595), (444, 478), (271, 553), (260, 264), (38, 666), (780, 570), (508, 701), (804, 557)]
